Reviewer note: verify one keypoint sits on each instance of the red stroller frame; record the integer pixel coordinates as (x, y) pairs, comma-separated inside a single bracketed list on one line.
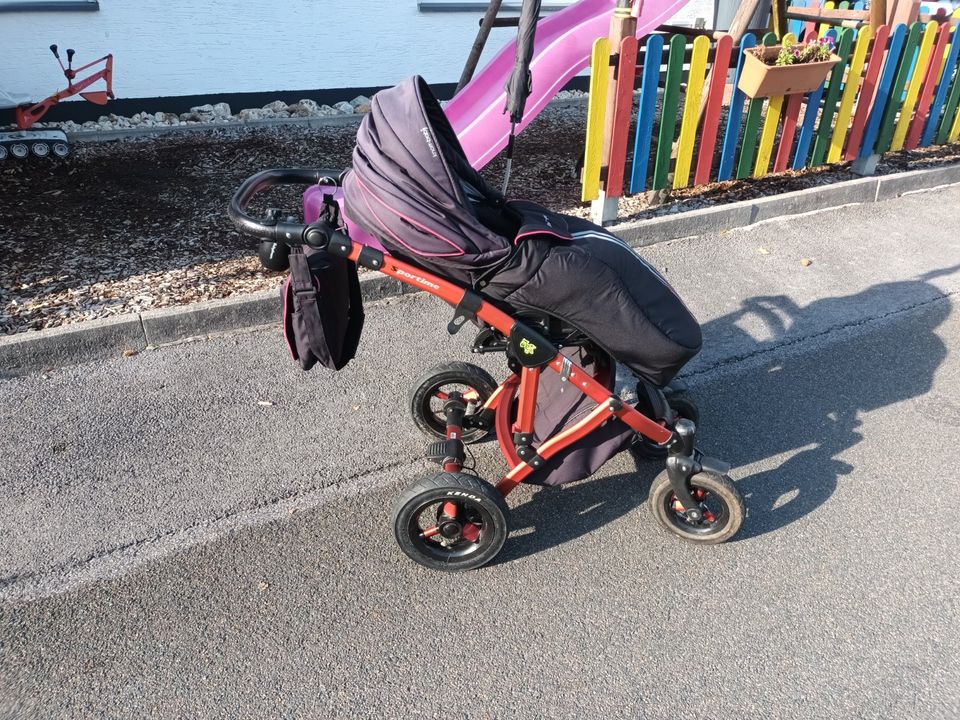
[(678, 496)]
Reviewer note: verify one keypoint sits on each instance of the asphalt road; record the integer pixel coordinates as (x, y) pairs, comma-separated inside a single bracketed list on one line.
[(170, 547)]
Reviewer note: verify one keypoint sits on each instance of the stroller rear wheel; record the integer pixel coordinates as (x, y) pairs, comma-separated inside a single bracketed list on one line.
[(450, 522), (429, 394), (720, 502), (684, 407)]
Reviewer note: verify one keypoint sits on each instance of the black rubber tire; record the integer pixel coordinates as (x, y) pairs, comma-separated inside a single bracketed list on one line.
[(718, 488), (474, 496), (685, 407), (452, 373)]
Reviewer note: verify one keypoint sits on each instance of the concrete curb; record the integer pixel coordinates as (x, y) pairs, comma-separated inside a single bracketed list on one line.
[(109, 337), (748, 212), (99, 339)]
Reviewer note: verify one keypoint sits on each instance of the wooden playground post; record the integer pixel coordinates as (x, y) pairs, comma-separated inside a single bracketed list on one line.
[(778, 13), (878, 14), (738, 26), (741, 20), (476, 51)]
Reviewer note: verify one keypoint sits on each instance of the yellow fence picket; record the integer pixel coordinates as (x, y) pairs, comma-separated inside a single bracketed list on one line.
[(919, 72), (955, 128), (824, 27), (770, 125), (842, 127), (691, 112), (593, 156)]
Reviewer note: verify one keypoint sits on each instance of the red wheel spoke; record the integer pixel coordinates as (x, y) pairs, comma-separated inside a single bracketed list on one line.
[(441, 395), (470, 532), (429, 532)]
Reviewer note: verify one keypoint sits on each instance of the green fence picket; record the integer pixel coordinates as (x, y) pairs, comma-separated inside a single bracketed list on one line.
[(821, 142), (668, 112), (895, 101), (751, 126), (950, 109)]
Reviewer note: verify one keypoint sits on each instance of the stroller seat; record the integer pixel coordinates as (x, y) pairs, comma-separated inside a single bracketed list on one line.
[(412, 188)]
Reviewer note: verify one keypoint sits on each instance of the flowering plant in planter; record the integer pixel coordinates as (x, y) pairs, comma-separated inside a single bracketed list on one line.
[(791, 68), (815, 50)]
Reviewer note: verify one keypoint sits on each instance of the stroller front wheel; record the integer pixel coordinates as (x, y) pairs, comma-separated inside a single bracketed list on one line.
[(721, 503), (450, 522)]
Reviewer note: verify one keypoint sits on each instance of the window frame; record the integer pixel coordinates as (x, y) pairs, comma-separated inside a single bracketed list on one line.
[(512, 6), (10, 6)]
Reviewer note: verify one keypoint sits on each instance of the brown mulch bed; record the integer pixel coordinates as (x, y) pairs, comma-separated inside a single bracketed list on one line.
[(130, 225)]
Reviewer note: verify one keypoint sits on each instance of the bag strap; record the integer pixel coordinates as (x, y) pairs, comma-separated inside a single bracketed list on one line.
[(305, 298), (300, 275), (355, 316)]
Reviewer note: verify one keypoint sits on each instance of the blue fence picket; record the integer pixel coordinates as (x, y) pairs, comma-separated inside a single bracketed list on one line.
[(796, 26), (653, 59), (859, 5), (941, 97), (882, 97), (731, 136), (806, 132)]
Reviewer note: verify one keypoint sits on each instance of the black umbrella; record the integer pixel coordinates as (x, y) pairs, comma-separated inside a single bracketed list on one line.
[(519, 85)]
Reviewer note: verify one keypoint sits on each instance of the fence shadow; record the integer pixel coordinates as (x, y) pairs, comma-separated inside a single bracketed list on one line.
[(805, 407)]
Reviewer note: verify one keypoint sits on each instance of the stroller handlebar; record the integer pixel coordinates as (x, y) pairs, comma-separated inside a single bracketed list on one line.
[(272, 227)]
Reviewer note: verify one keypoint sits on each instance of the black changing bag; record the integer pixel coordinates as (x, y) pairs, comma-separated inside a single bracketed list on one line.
[(322, 309)]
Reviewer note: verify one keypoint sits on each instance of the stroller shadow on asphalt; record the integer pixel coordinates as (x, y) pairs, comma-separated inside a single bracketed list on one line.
[(560, 514), (796, 415)]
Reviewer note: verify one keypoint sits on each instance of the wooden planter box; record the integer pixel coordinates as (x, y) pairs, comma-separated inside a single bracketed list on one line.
[(757, 79)]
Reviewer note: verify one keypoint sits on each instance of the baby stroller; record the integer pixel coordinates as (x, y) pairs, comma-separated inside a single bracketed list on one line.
[(562, 299)]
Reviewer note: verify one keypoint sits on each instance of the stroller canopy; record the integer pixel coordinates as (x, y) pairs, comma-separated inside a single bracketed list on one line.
[(412, 187)]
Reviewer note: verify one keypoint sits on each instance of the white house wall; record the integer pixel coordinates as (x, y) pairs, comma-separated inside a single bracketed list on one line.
[(184, 47)]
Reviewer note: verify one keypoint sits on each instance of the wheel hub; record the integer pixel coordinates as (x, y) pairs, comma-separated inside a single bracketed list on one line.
[(697, 515), (450, 530)]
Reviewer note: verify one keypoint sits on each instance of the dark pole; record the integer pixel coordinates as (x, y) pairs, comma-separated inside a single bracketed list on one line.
[(518, 86), (477, 50)]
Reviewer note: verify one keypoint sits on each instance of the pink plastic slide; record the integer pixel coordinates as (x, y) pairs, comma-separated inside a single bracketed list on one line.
[(562, 49)]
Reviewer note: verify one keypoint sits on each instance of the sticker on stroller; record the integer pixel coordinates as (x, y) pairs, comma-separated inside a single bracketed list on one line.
[(416, 278), (528, 347)]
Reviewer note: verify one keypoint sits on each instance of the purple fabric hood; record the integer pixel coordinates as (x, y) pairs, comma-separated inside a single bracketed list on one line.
[(411, 186)]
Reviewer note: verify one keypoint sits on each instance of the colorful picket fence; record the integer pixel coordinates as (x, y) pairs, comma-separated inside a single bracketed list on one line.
[(894, 88)]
